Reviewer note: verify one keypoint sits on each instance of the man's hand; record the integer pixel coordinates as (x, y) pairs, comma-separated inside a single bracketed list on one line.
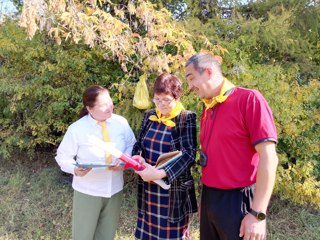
[(252, 229)]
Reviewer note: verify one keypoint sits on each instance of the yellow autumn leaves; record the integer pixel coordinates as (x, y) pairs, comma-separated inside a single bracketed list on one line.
[(134, 34)]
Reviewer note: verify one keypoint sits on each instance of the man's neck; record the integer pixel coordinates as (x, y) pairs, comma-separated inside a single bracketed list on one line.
[(217, 88)]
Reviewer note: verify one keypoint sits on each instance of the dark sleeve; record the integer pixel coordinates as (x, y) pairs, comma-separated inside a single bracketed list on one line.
[(187, 137), (137, 148)]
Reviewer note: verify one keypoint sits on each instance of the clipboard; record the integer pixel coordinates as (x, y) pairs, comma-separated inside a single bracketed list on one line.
[(93, 165)]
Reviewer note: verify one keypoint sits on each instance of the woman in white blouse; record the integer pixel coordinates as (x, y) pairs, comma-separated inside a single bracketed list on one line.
[(97, 191)]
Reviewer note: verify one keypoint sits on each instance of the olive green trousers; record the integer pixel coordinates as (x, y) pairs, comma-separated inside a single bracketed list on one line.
[(95, 218)]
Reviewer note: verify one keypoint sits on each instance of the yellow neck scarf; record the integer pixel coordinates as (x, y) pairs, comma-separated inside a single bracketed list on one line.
[(167, 120), (226, 86)]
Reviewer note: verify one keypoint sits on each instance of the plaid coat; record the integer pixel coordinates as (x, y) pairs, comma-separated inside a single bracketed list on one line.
[(182, 192)]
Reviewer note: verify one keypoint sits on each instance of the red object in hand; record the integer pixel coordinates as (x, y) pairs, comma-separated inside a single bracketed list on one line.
[(131, 163)]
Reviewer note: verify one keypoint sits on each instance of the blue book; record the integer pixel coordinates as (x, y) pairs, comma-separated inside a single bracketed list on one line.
[(167, 158)]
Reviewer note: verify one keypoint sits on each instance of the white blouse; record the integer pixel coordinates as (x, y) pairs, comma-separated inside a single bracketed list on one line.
[(75, 146)]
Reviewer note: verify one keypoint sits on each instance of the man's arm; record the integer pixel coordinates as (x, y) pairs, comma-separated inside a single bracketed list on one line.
[(251, 228), (265, 176)]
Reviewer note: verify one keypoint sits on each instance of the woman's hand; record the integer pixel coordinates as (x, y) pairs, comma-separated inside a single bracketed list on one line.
[(150, 173), (118, 167), (80, 172), (139, 159)]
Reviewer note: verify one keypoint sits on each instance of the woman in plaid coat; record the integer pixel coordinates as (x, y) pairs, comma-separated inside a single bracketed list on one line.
[(165, 214)]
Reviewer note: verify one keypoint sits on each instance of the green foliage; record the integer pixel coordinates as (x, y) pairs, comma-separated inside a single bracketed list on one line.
[(303, 188), (18, 4), (42, 85), (296, 112)]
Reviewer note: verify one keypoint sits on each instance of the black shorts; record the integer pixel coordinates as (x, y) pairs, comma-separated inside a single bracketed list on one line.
[(222, 212)]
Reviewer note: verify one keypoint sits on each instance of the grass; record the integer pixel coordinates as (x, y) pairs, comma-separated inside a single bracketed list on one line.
[(36, 203)]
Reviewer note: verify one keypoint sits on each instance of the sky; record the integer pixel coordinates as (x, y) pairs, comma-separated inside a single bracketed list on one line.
[(6, 6)]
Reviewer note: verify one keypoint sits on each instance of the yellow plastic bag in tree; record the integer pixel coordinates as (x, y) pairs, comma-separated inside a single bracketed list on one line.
[(141, 95)]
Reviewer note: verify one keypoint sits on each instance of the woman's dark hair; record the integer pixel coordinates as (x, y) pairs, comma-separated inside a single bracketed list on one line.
[(89, 98), (167, 83)]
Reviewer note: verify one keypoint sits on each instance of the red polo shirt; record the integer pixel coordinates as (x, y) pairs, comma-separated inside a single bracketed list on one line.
[(228, 134)]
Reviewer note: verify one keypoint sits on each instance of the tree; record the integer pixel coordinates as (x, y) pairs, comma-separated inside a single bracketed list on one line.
[(132, 32), (111, 43), (18, 4)]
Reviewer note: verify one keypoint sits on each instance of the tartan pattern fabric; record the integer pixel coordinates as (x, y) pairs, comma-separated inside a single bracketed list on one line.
[(181, 196), (153, 224)]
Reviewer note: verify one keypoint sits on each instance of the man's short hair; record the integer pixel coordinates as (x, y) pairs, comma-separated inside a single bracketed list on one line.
[(202, 61)]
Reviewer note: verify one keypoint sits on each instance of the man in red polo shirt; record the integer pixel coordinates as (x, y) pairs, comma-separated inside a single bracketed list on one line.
[(238, 154)]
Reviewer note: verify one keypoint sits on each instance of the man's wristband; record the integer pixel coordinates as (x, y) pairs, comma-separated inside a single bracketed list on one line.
[(258, 215)]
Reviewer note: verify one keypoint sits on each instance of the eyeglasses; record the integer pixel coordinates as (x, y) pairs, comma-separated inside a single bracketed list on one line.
[(163, 101)]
